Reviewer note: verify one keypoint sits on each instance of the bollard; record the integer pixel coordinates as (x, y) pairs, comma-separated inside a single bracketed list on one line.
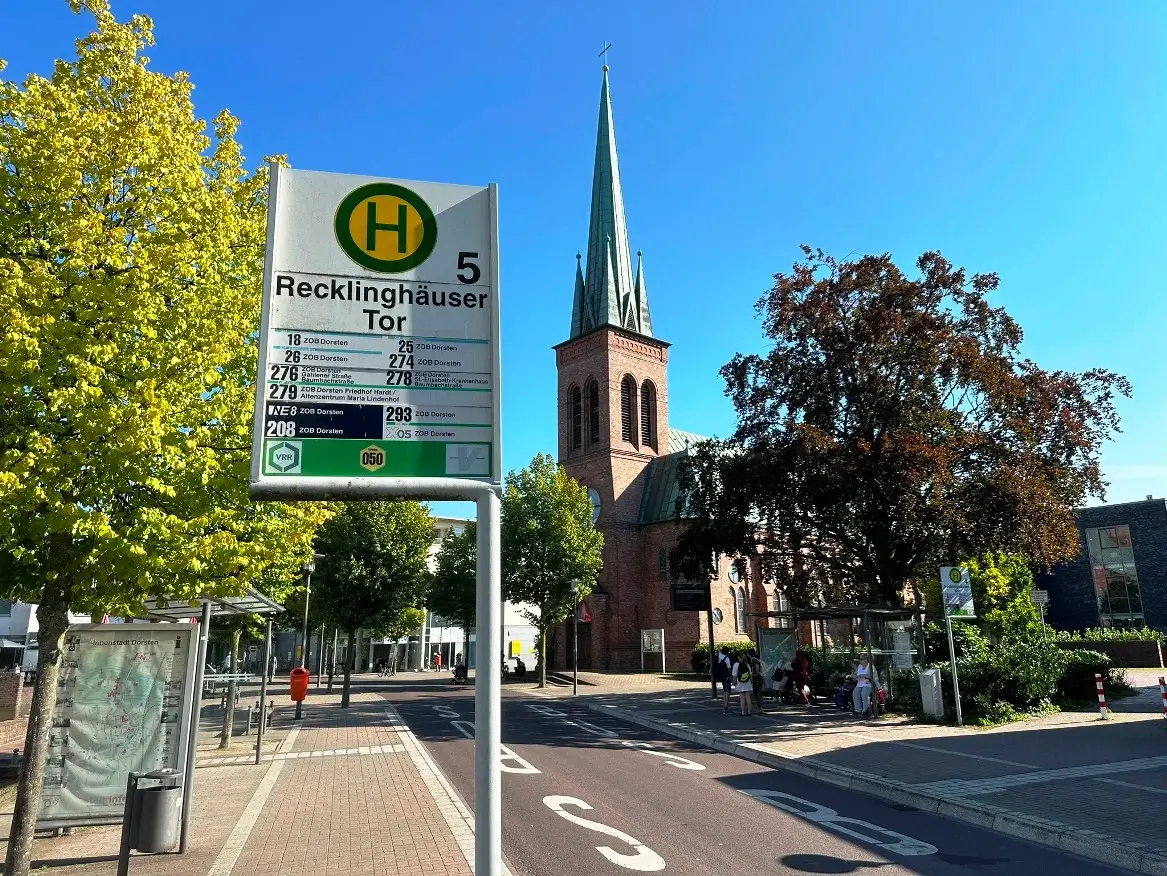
[(271, 713), (250, 711), (1163, 694), (1103, 709)]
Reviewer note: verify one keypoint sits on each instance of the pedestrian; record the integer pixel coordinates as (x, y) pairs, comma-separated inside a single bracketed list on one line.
[(272, 666), (437, 661), (743, 684), (800, 667), (756, 676), (722, 672), (865, 678)]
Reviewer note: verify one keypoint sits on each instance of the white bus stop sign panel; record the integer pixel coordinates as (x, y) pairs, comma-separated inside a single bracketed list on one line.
[(378, 340)]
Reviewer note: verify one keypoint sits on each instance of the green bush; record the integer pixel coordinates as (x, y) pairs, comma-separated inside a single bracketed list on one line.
[(966, 636), (1077, 681), (699, 660), (1109, 634)]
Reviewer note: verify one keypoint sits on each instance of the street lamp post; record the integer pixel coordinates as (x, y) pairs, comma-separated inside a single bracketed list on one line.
[(575, 638), (306, 570)]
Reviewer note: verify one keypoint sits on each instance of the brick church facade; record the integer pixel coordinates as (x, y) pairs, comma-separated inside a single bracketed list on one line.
[(616, 439)]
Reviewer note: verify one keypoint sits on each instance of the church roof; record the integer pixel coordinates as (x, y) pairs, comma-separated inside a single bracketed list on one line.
[(661, 489), (606, 291)]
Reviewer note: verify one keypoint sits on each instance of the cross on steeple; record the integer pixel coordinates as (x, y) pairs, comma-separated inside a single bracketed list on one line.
[(604, 53)]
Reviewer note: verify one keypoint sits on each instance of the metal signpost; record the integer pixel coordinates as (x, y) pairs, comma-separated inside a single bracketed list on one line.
[(1040, 598), (379, 367), (956, 588)]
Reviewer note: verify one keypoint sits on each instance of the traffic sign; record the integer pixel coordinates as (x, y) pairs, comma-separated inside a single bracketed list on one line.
[(378, 345), (1039, 597), (956, 589)]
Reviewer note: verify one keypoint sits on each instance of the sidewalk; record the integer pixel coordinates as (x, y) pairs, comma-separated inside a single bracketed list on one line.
[(345, 792), (1069, 780)]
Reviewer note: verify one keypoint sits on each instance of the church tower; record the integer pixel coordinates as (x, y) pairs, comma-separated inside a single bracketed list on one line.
[(612, 403)]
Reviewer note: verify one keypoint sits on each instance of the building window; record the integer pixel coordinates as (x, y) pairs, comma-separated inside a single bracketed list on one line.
[(5, 607), (648, 414), (575, 416), (662, 563), (781, 603), (739, 615), (1116, 580), (593, 412), (628, 409)]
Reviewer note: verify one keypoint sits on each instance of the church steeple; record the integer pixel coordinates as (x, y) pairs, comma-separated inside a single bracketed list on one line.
[(609, 295)]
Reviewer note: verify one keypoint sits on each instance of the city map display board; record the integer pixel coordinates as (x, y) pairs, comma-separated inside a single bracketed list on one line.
[(379, 333), (123, 704)]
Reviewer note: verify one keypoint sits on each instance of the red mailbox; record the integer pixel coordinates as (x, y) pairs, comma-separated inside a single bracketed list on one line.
[(300, 677)]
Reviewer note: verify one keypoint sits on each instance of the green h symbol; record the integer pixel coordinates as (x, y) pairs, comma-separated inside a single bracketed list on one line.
[(372, 226)]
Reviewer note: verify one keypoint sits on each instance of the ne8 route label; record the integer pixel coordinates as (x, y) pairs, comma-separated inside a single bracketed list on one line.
[(378, 352)]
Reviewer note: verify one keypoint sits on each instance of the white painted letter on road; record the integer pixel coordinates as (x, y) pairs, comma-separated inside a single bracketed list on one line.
[(681, 763), (645, 859), (872, 834)]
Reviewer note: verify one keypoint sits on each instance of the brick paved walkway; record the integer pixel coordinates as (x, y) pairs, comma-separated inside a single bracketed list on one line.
[(350, 791)]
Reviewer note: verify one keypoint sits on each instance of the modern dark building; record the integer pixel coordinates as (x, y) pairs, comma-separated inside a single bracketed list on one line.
[(1119, 578)]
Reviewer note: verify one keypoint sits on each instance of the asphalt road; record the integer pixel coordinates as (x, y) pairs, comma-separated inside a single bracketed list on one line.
[(588, 795)]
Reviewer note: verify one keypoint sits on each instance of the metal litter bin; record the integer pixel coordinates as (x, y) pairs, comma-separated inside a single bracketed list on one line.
[(159, 810)]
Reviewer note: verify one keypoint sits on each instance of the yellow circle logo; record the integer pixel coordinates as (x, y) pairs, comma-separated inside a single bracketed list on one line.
[(386, 227)]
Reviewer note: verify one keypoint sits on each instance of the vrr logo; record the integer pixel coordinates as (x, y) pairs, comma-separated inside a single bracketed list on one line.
[(386, 227), (285, 457), (372, 458)]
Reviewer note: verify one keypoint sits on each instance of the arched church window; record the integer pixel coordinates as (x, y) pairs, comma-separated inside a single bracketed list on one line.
[(628, 409), (648, 414), (740, 614), (575, 416), (662, 563), (593, 412)]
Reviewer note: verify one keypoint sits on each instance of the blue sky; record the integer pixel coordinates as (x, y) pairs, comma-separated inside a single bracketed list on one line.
[(1021, 138)]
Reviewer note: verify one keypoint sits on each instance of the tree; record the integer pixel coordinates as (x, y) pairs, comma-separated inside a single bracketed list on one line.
[(454, 588), (131, 245), (402, 623), (892, 427), (372, 567), (548, 542)]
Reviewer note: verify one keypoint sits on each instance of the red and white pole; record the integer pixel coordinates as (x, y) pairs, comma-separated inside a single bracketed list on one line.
[(1163, 693), (1103, 709)]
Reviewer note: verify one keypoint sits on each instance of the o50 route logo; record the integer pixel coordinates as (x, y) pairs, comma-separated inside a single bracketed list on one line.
[(386, 227)]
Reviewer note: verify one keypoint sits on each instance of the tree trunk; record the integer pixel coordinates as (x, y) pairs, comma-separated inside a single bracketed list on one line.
[(53, 615), (349, 659), (232, 687), (542, 656), (465, 646)]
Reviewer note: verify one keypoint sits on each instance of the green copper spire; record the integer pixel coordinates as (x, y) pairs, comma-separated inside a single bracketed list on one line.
[(609, 295)]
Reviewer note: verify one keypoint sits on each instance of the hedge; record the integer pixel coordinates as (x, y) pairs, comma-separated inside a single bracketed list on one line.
[(1109, 634), (700, 657)]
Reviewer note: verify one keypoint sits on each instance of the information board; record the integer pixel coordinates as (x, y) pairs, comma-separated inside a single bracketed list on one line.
[(378, 339), (956, 588), (690, 598), (123, 704)]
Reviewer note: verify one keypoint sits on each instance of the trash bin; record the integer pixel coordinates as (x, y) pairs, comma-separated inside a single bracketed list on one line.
[(158, 811)]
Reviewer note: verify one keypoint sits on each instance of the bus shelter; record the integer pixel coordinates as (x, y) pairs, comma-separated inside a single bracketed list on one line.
[(835, 636)]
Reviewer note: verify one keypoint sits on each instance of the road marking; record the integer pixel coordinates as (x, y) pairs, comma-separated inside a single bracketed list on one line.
[(593, 729), (1146, 788), (225, 861), (445, 797), (445, 711), (944, 751), (998, 784), (829, 818), (682, 763), (644, 860), (518, 764)]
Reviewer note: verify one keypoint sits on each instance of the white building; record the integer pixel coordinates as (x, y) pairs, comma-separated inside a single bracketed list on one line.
[(18, 633)]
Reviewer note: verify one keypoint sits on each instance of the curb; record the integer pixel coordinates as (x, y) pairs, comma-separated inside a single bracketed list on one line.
[(1090, 844)]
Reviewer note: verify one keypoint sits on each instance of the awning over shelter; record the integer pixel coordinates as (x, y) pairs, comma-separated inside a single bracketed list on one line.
[(254, 602), (8, 643), (840, 612)]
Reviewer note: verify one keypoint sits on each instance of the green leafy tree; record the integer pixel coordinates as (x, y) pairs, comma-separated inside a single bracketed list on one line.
[(892, 427), (548, 542), (454, 588), (402, 623), (131, 245), (372, 567)]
